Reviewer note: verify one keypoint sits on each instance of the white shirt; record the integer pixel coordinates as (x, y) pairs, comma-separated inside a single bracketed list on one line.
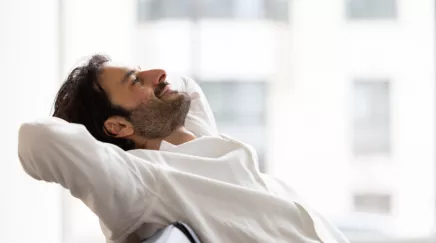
[(211, 183)]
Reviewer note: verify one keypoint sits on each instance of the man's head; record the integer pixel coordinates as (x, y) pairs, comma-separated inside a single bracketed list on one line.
[(121, 105)]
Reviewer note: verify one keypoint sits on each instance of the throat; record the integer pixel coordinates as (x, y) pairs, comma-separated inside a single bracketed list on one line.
[(179, 136)]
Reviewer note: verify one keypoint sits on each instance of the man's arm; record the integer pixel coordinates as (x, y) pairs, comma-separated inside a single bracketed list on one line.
[(119, 188)]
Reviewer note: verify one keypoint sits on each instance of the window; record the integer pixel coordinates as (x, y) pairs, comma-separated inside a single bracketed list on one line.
[(371, 9), (276, 10), (239, 109), (217, 8), (371, 118), (377, 203), (158, 9)]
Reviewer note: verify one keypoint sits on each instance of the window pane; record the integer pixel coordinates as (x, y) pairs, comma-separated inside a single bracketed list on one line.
[(159, 9), (277, 10), (372, 203), (249, 9), (227, 9), (241, 102), (245, 9), (371, 122), (371, 9), (217, 8)]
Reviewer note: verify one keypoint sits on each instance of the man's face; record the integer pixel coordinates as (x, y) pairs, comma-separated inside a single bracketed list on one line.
[(156, 109)]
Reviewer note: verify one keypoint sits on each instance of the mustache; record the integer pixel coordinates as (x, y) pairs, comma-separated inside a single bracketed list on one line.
[(160, 88)]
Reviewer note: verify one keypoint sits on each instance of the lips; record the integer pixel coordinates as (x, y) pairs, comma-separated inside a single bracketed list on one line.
[(165, 91)]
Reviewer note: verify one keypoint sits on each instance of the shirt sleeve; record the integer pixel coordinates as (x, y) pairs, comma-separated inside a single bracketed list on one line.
[(200, 119), (118, 187)]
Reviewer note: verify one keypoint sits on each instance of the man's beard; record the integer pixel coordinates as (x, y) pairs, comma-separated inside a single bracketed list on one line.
[(159, 117)]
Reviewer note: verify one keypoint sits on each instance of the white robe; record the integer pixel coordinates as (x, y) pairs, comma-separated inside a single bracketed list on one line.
[(211, 183)]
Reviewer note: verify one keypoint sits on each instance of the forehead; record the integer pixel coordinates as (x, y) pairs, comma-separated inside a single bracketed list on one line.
[(110, 79), (113, 72)]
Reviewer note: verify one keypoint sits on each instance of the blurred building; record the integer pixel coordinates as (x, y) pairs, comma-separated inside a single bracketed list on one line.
[(361, 113), (336, 96)]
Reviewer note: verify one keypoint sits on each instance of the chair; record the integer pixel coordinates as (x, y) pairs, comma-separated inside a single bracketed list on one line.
[(176, 232)]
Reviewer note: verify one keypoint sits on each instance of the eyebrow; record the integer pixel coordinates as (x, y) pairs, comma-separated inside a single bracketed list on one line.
[(127, 75)]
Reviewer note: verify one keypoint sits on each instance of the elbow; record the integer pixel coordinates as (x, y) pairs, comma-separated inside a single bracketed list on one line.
[(35, 136), (30, 146), (27, 138)]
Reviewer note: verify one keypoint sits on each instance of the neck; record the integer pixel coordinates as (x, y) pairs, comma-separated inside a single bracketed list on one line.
[(179, 136)]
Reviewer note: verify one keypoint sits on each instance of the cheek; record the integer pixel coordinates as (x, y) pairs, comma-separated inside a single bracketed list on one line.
[(143, 96), (129, 99)]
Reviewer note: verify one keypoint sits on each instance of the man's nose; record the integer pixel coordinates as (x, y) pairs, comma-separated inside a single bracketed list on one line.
[(153, 77)]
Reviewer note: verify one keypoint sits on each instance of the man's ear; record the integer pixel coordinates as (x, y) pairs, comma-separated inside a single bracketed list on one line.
[(119, 127)]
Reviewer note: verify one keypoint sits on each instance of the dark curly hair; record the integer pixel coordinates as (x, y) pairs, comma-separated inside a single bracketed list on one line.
[(82, 100)]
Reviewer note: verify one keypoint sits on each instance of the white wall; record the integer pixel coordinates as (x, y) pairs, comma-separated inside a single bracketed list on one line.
[(328, 52), (414, 130), (98, 26), (29, 210), (229, 50)]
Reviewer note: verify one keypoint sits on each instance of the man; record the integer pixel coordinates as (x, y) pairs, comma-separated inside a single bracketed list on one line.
[(162, 161), (136, 109)]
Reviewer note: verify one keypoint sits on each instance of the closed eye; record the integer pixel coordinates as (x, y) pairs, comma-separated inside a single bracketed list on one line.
[(135, 80)]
